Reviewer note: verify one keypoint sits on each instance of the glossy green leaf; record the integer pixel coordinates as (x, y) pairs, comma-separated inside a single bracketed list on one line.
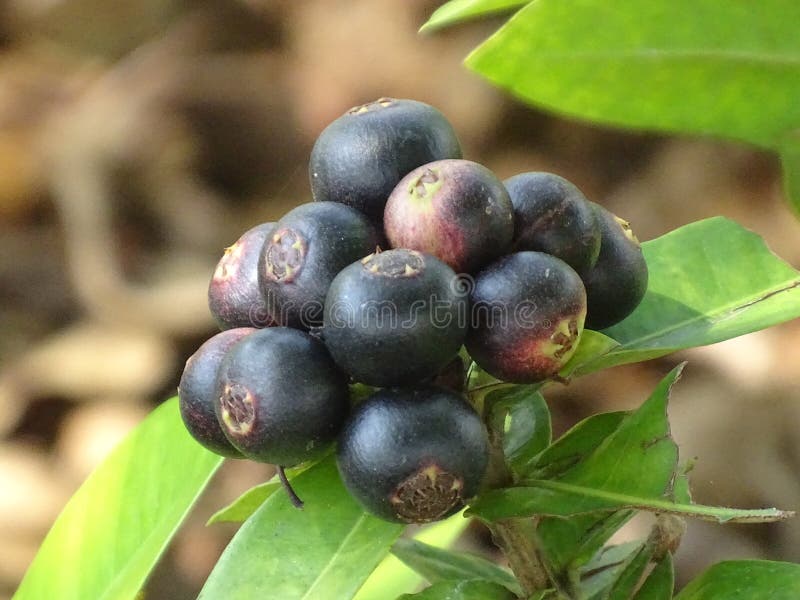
[(437, 564), (328, 549), (576, 539), (745, 580), (113, 530), (456, 11), (637, 458), (711, 67), (709, 281), (575, 445), (392, 578), (462, 590), (660, 583), (245, 505), (522, 415)]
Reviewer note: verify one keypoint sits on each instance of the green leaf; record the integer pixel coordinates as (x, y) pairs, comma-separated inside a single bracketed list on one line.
[(709, 281), (392, 578), (436, 564), (575, 445), (591, 345), (599, 575), (113, 530), (330, 547), (577, 539), (631, 574), (745, 580), (522, 415), (245, 505), (660, 582), (712, 67), (462, 10), (638, 458), (571, 542), (462, 590)]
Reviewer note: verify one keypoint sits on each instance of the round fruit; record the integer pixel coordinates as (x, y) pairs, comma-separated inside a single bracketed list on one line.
[(456, 210), (360, 157), (528, 311), (413, 455), (197, 391), (552, 215), (395, 317), (306, 250), (618, 281), (280, 398), (234, 296)]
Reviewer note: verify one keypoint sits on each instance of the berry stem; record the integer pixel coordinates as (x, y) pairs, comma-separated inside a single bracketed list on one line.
[(293, 497)]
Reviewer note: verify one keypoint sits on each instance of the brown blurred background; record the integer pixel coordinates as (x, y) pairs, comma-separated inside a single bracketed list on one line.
[(138, 139)]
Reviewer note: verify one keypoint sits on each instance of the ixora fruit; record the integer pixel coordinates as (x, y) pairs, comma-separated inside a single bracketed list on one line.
[(413, 455), (280, 398), (394, 317), (618, 281), (552, 215), (197, 391), (360, 157), (528, 311), (305, 251), (456, 210), (234, 296)]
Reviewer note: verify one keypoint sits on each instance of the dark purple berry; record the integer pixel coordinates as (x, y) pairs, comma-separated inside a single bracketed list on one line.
[(395, 317), (234, 296), (413, 455), (303, 254), (197, 391), (456, 210), (618, 281), (280, 397), (551, 215), (359, 158), (528, 311)]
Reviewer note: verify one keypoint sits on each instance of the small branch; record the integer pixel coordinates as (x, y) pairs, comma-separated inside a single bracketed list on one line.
[(515, 537)]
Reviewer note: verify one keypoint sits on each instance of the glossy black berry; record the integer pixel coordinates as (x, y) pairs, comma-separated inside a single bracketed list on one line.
[(618, 281), (552, 215), (359, 158), (280, 397), (528, 311), (305, 251), (197, 391), (413, 455), (394, 318), (234, 295), (456, 210)]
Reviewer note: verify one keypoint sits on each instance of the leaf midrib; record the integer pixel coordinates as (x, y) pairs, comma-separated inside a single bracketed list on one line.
[(703, 512), (714, 317), (335, 555)]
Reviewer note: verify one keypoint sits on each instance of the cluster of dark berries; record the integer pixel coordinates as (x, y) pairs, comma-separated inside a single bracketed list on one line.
[(310, 304)]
